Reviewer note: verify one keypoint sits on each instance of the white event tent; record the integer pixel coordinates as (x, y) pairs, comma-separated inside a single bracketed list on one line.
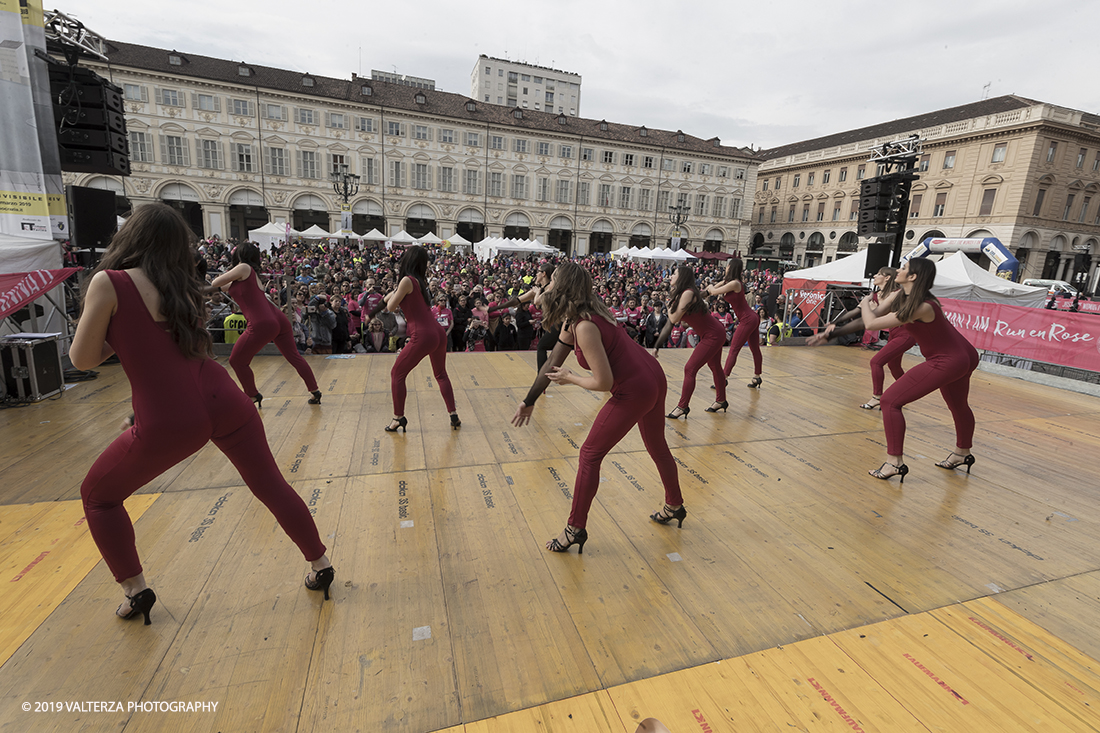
[(315, 232), (489, 248), (957, 277), (267, 235)]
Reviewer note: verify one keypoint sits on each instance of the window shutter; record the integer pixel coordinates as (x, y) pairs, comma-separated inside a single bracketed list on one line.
[(217, 104), (221, 155), (157, 95), (251, 109), (163, 144), (144, 94), (328, 119), (186, 151), (299, 161), (429, 175), (234, 157), (194, 100)]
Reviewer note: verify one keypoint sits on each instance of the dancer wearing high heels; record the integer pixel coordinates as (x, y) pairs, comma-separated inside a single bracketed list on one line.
[(426, 336), (266, 323), (949, 361), (145, 304), (543, 283), (899, 341), (732, 289), (688, 306), (619, 365)]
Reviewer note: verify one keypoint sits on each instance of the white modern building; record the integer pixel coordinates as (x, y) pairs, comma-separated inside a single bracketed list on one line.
[(515, 84), (235, 145)]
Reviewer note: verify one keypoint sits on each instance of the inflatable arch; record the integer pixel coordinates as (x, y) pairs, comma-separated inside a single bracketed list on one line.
[(1008, 266)]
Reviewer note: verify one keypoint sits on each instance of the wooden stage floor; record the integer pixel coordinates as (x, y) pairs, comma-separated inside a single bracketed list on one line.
[(801, 594)]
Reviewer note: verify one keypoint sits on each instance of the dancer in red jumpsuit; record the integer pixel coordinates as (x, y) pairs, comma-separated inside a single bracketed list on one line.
[(949, 361), (748, 321), (688, 306), (426, 336), (619, 365), (897, 344), (266, 323), (145, 304)]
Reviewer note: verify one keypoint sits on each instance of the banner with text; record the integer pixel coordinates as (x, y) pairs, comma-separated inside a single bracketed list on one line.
[(1052, 336)]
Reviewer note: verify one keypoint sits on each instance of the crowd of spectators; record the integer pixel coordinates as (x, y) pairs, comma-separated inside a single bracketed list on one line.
[(330, 288)]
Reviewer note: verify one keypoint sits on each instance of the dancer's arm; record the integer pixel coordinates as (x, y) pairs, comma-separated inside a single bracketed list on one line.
[(925, 313), (90, 348), (227, 278), (733, 286), (588, 337), (393, 300), (542, 381)]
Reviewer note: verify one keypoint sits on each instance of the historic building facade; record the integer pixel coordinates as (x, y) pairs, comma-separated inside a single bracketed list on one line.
[(234, 146), (1025, 172)]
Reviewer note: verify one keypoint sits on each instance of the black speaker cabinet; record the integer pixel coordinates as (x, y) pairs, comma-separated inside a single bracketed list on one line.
[(31, 367), (92, 216)]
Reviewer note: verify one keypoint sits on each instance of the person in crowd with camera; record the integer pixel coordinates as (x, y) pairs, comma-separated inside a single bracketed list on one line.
[(145, 303), (266, 323)]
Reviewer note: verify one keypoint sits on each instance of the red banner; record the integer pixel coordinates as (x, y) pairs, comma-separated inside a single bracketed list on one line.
[(19, 288), (1083, 306), (1051, 336)]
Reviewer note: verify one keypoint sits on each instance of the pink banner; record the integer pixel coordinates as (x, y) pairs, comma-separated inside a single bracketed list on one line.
[(1083, 306), (19, 288), (1051, 336)]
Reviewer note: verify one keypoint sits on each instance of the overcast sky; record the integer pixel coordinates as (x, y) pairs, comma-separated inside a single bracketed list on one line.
[(765, 74)]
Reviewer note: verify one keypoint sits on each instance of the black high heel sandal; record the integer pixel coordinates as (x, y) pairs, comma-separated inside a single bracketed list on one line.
[(872, 404), (727, 383), (257, 400), (967, 460), (755, 383), (578, 538), (316, 398), (322, 579), (140, 603), (723, 405), (898, 471), (455, 422), (683, 413), (662, 517), (401, 423)]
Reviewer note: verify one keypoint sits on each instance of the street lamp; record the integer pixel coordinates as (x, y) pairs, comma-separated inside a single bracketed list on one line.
[(678, 215), (345, 185)]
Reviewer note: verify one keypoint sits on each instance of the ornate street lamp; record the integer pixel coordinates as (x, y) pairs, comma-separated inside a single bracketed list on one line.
[(346, 185), (678, 215)]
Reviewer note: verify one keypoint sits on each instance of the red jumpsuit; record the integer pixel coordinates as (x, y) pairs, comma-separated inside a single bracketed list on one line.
[(266, 323), (637, 398), (949, 361), (426, 338), (889, 355), (179, 405), (747, 332), (712, 337)]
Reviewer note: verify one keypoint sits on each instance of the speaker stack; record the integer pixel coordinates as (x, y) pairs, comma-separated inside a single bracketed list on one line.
[(91, 127)]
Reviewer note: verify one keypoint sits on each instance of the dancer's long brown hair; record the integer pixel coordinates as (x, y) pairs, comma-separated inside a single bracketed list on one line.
[(572, 297), (891, 284), (734, 270), (157, 240), (685, 280), (905, 306)]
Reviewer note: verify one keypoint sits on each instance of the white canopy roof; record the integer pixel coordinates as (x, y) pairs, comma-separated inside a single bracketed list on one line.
[(315, 232), (623, 251), (267, 235), (490, 247), (374, 236), (26, 254), (346, 234), (956, 277), (403, 237), (430, 238), (457, 238)]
